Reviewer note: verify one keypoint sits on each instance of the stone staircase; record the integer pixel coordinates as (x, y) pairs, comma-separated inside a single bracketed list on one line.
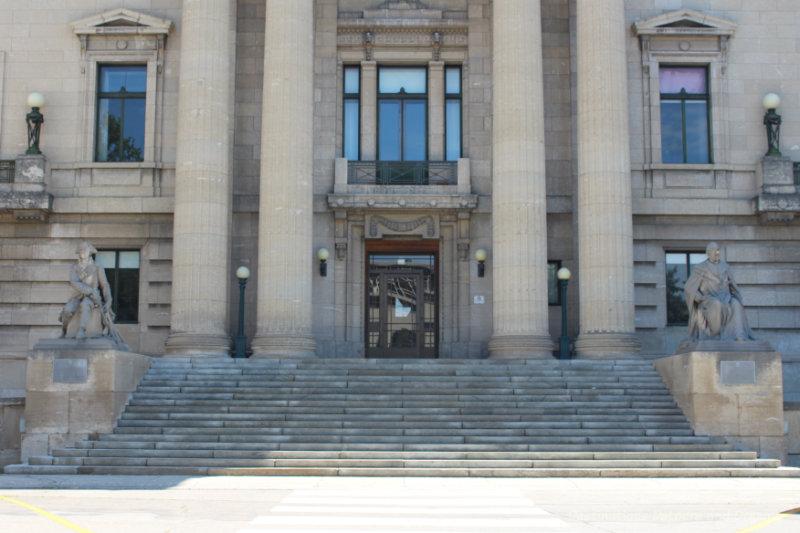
[(402, 418)]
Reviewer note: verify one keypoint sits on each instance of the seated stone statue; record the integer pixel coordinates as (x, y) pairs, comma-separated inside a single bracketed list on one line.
[(88, 313), (716, 311)]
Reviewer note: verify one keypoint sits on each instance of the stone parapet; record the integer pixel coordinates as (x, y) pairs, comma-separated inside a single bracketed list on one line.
[(73, 394), (735, 395)]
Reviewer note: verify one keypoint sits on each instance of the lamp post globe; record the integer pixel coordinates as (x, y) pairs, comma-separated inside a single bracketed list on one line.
[(771, 101)]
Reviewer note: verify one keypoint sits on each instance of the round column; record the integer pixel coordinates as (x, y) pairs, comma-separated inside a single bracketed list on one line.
[(519, 210), (605, 220), (203, 170), (285, 210)]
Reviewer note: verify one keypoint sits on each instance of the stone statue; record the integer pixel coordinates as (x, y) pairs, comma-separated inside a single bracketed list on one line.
[(716, 311), (88, 313)]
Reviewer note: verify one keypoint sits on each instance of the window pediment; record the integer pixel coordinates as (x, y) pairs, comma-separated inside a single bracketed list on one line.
[(122, 22), (684, 22)]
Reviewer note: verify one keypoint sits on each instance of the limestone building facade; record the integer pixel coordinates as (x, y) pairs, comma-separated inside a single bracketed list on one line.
[(187, 138)]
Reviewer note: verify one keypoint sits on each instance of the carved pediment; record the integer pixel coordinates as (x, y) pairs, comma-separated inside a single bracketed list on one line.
[(684, 22), (121, 22)]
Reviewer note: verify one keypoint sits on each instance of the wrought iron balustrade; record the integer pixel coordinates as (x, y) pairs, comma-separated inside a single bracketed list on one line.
[(7, 171), (402, 173)]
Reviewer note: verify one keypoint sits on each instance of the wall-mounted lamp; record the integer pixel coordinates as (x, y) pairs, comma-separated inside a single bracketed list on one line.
[(34, 120), (772, 121), (242, 273), (323, 254), (480, 256)]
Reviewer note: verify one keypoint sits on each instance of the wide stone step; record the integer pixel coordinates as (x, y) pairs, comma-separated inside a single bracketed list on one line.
[(254, 462), (401, 417)]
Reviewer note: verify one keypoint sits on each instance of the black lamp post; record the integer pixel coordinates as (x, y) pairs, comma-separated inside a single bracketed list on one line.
[(563, 276), (772, 121), (34, 120), (241, 341)]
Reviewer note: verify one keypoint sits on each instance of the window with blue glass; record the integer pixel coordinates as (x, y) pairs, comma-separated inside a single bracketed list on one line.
[(685, 132), (120, 113), (452, 113), (352, 104), (402, 114)]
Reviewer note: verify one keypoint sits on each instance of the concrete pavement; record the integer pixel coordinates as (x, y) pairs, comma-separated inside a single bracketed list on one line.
[(122, 504)]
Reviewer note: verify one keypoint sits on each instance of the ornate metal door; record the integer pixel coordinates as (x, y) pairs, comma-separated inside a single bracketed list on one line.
[(401, 306)]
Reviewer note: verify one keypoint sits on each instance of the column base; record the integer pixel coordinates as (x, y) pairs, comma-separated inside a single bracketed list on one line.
[(198, 345), (607, 346), (521, 347), (271, 346)]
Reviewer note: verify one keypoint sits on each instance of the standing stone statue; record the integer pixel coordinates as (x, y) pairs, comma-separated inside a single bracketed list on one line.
[(88, 313), (716, 311)]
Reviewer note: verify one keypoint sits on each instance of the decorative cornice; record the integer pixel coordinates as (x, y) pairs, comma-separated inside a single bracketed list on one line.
[(684, 22), (122, 22)]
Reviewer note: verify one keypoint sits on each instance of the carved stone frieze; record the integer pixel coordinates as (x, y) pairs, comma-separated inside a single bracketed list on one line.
[(425, 226)]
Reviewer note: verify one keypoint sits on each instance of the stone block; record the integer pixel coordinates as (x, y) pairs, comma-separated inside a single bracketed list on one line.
[(46, 412), (34, 444), (737, 395), (792, 431), (30, 169), (72, 393)]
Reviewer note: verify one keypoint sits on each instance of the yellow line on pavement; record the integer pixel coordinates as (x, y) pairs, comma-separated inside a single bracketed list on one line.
[(765, 523), (44, 513)]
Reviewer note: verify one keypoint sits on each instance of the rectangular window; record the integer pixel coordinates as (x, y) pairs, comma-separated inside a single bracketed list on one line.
[(122, 272), (352, 105), (678, 268), (685, 132), (402, 114), (452, 113), (120, 113)]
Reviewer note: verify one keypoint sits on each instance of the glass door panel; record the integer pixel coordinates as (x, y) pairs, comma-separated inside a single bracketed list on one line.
[(401, 306)]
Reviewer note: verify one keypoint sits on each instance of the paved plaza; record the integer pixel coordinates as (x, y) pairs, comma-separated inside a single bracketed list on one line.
[(122, 504)]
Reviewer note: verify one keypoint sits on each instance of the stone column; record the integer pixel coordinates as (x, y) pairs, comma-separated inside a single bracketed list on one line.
[(519, 216), (436, 103), (203, 170), (369, 110), (605, 224), (285, 211)]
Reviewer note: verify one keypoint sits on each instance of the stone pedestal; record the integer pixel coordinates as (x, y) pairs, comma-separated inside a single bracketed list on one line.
[(779, 201), (26, 197), (737, 395), (72, 394)]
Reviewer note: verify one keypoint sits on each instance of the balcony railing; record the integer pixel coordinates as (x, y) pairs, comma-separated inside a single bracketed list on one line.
[(402, 173), (7, 171)]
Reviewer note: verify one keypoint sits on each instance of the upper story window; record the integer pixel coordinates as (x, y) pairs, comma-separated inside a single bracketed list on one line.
[(121, 98), (122, 272), (684, 60), (402, 114), (122, 60), (684, 114), (452, 113), (352, 112)]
